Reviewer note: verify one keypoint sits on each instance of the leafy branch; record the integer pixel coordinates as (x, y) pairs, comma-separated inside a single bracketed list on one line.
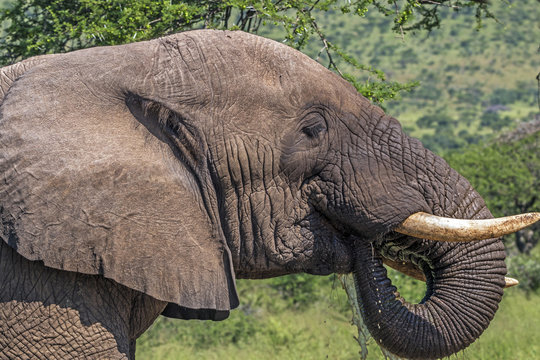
[(34, 27)]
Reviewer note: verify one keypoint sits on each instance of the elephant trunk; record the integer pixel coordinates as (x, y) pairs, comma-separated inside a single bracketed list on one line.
[(464, 287), (465, 281)]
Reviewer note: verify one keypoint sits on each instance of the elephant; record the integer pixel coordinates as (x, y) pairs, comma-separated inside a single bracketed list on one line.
[(141, 180)]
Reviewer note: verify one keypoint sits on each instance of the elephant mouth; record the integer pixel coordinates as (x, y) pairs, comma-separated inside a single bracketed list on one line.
[(406, 249), (408, 255)]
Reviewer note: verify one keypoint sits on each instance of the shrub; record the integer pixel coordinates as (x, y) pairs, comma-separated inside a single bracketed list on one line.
[(526, 268), (493, 120)]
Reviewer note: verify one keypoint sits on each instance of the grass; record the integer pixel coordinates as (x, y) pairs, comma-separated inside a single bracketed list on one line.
[(322, 329), (308, 334)]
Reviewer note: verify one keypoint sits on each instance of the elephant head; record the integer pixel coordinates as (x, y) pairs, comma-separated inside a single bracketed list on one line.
[(175, 165)]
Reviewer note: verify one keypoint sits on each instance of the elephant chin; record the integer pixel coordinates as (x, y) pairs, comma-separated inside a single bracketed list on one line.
[(464, 286)]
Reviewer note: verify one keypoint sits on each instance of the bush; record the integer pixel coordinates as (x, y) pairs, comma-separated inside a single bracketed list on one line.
[(504, 96), (298, 290), (494, 120), (526, 268), (238, 328), (427, 92), (469, 138), (442, 141), (470, 95), (438, 121)]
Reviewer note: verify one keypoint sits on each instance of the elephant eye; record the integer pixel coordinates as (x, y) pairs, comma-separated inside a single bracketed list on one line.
[(314, 126), (313, 131)]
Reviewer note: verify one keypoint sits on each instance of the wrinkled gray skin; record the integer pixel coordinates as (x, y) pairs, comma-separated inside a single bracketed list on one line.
[(142, 179)]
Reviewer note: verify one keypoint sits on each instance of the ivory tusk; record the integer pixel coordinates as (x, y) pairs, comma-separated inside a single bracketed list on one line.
[(431, 227), (509, 282)]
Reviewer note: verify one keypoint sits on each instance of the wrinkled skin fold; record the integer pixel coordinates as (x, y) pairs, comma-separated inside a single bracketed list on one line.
[(173, 166)]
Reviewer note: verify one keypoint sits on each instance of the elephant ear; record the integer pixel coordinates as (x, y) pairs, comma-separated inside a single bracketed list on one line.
[(95, 184)]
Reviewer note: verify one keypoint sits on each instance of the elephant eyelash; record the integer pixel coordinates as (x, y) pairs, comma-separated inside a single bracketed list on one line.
[(314, 122), (314, 131)]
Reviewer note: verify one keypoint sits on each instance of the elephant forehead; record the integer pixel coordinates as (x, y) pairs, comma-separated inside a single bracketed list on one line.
[(249, 72)]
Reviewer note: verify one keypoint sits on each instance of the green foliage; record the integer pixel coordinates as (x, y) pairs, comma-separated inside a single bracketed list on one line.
[(33, 27), (41, 26), (297, 290), (493, 120), (503, 96), (258, 322), (442, 140), (410, 289), (508, 189), (322, 330), (267, 322), (443, 136), (427, 92), (237, 329), (434, 120), (526, 268), (379, 91)]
